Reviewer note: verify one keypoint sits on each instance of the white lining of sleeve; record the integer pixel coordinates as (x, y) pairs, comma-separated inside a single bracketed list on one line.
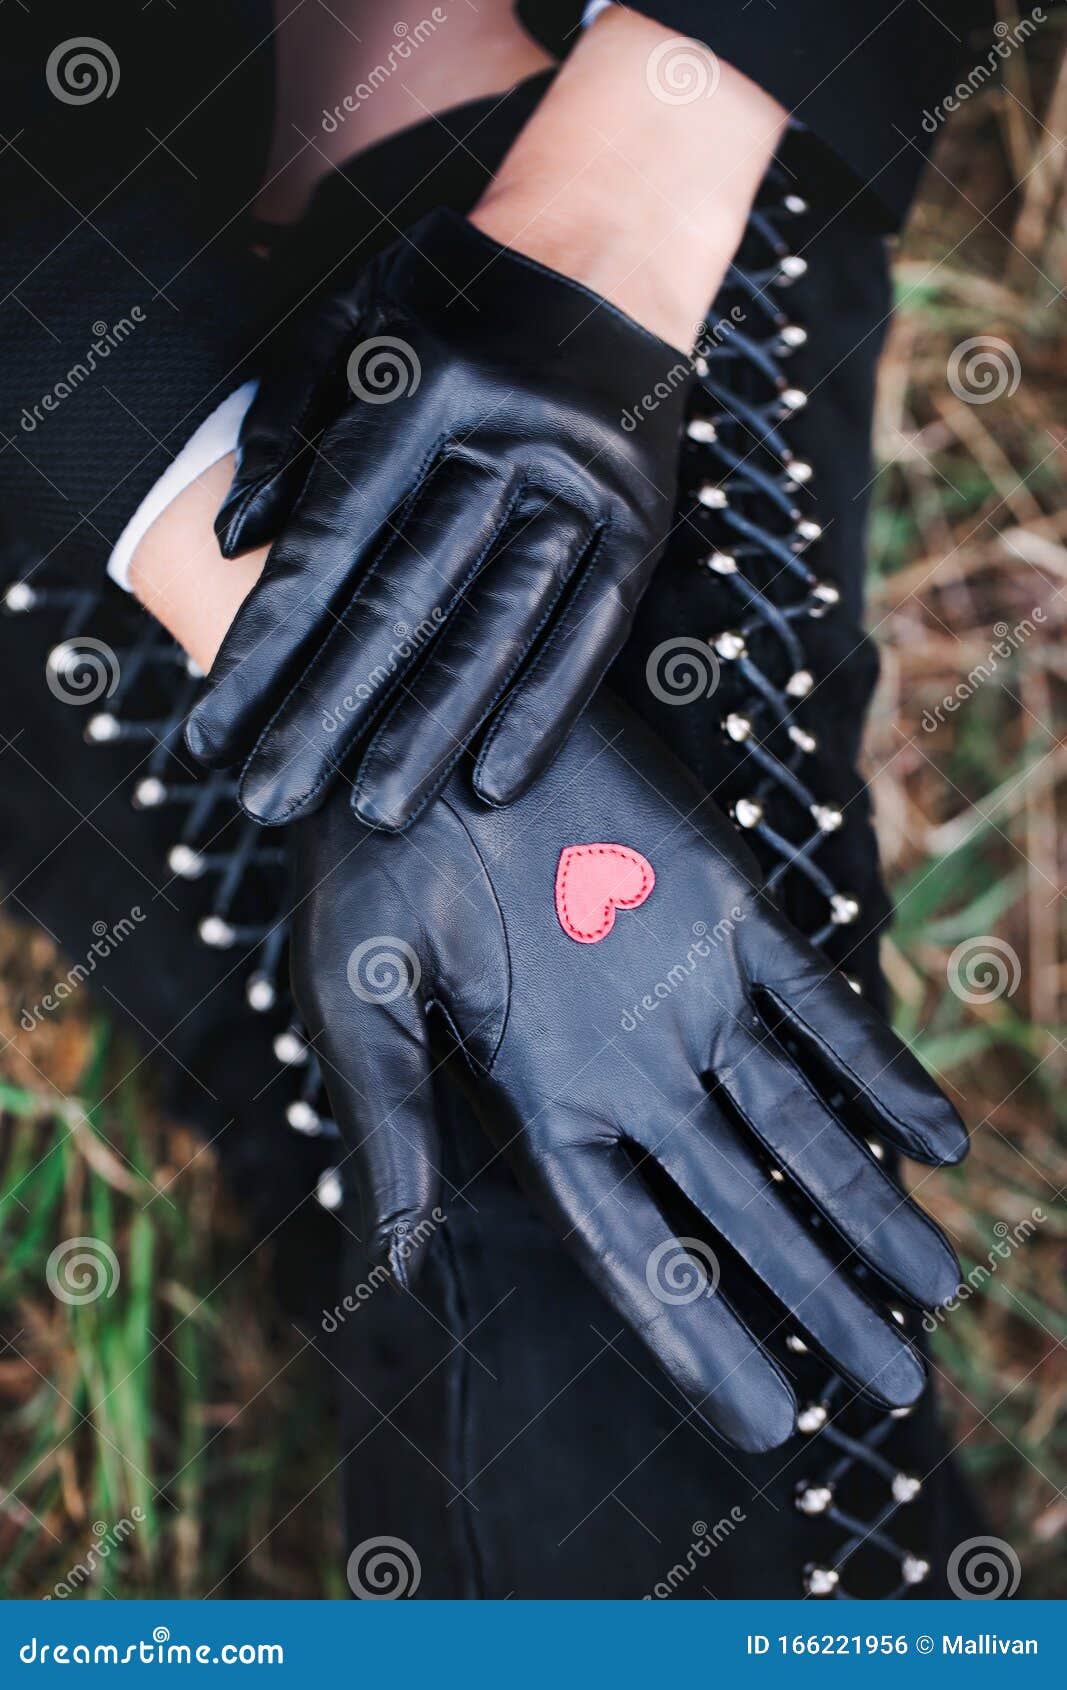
[(217, 435)]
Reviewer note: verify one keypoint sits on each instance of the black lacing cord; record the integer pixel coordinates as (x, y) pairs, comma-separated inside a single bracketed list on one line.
[(745, 494)]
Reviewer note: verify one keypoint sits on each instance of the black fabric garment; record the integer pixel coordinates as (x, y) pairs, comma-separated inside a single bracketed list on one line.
[(497, 1422), (859, 74), (121, 235)]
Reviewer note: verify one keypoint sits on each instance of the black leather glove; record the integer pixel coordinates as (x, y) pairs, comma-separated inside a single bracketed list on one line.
[(632, 1006), (475, 531)]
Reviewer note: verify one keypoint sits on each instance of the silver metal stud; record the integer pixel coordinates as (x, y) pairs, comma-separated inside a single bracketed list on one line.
[(711, 497), (793, 335), (329, 1191), (801, 736), (800, 473), (821, 1581), (843, 909), (101, 728), (792, 266), (302, 1118), (216, 933), (826, 592), (721, 563), (795, 205), (913, 1569), (793, 398), (827, 819), (800, 684), (747, 813), (796, 1344), (812, 1418), (149, 793), (814, 1499), (738, 727), (702, 430), (259, 990), (290, 1048), (729, 644), (186, 863), (875, 1145), (19, 598), (807, 530), (905, 1487)]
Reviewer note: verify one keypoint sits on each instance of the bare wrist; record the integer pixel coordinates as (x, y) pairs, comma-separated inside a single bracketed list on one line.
[(638, 190)]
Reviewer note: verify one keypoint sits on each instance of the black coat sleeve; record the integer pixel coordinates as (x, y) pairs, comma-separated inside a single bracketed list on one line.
[(864, 76)]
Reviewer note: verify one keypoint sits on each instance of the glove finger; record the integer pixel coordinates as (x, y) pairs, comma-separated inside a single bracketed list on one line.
[(612, 1225), (303, 390), (531, 728), (877, 1073), (469, 667), (837, 1172), (374, 1051), (307, 580), (708, 1159), (422, 573)]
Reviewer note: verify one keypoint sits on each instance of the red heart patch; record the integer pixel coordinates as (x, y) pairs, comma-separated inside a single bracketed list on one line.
[(592, 882)]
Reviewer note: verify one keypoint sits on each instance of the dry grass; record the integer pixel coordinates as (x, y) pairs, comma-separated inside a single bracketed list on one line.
[(970, 537), (135, 1401)]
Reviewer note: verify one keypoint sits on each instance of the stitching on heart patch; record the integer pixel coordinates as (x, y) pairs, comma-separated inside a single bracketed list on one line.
[(603, 891)]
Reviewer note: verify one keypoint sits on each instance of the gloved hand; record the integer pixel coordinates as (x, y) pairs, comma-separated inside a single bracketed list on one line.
[(631, 1004), (474, 534)]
